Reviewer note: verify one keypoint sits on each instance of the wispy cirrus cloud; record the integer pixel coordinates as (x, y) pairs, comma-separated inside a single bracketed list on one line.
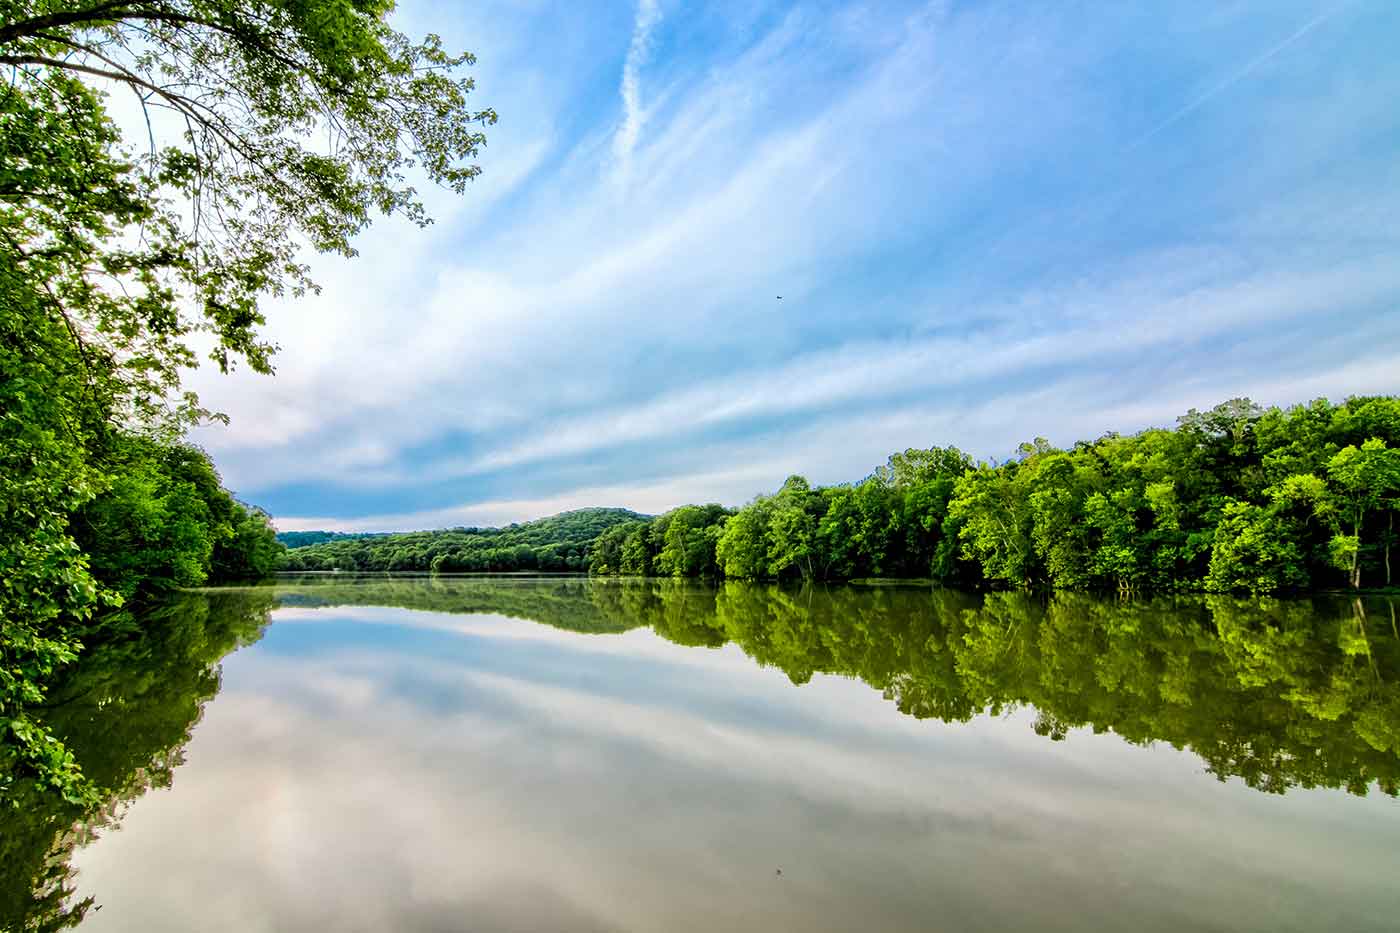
[(633, 114), (1235, 77)]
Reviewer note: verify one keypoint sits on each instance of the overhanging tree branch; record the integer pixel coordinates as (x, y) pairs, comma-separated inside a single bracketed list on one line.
[(101, 13)]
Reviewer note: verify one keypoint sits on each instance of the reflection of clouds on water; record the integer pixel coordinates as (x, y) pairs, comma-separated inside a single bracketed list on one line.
[(462, 776)]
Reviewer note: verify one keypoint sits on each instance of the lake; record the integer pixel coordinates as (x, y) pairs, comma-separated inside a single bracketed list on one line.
[(513, 753)]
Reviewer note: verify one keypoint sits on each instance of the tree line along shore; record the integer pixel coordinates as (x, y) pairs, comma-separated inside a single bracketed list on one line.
[(1239, 498)]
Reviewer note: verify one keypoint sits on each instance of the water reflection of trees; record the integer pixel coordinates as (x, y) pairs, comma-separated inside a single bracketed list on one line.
[(126, 712), (1281, 694), (1296, 693), (562, 602)]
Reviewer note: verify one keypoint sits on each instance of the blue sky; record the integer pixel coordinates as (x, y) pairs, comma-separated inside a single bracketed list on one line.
[(988, 221)]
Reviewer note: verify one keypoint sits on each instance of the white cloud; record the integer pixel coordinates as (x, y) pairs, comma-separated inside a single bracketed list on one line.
[(848, 447), (1088, 323), (638, 52)]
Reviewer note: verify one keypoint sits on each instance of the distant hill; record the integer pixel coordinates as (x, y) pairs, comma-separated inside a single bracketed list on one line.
[(558, 543), (295, 539)]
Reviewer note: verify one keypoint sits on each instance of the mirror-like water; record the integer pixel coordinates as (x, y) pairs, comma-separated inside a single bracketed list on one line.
[(564, 754)]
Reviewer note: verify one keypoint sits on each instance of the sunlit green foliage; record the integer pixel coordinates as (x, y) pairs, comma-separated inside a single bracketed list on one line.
[(1255, 550), (686, 539), (1236, 499), (251, 551), (742, 550), (165, 520)]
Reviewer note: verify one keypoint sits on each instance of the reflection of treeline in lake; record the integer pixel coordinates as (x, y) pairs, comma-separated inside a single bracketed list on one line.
[(124, 713), (1281, 693), (562, 602)]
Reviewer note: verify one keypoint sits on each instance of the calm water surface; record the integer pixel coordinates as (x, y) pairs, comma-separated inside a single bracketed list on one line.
[(496, 754)]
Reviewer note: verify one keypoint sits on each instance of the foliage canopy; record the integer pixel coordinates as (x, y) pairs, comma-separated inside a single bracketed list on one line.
[(162, 162), (1235, 499)]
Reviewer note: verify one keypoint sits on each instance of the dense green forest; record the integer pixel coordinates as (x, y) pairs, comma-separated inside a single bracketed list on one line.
[(296, 539), (1236, 499), (558, 543)]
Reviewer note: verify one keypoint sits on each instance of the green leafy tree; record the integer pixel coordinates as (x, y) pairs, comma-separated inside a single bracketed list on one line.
[(838, 534), (606, 551), (792, 541), (1367, 479), (1256, 551), (859, 531), (925, 518), (1055, 486), (688, 542), (915, 467), (636, 556), (793, 520), (992, 508), (269, 124), (742, 550)]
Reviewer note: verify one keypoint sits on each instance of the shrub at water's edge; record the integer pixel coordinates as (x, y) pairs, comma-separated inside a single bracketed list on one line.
[(165, 521)]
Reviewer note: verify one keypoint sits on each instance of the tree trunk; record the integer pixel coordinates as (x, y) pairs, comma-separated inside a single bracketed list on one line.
[(1389, 535), (1356, 557)]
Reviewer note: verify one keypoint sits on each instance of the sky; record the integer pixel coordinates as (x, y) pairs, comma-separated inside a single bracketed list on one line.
[(987, 222)]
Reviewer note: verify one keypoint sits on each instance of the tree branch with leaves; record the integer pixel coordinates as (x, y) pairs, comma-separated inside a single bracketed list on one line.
[(127, 252)]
